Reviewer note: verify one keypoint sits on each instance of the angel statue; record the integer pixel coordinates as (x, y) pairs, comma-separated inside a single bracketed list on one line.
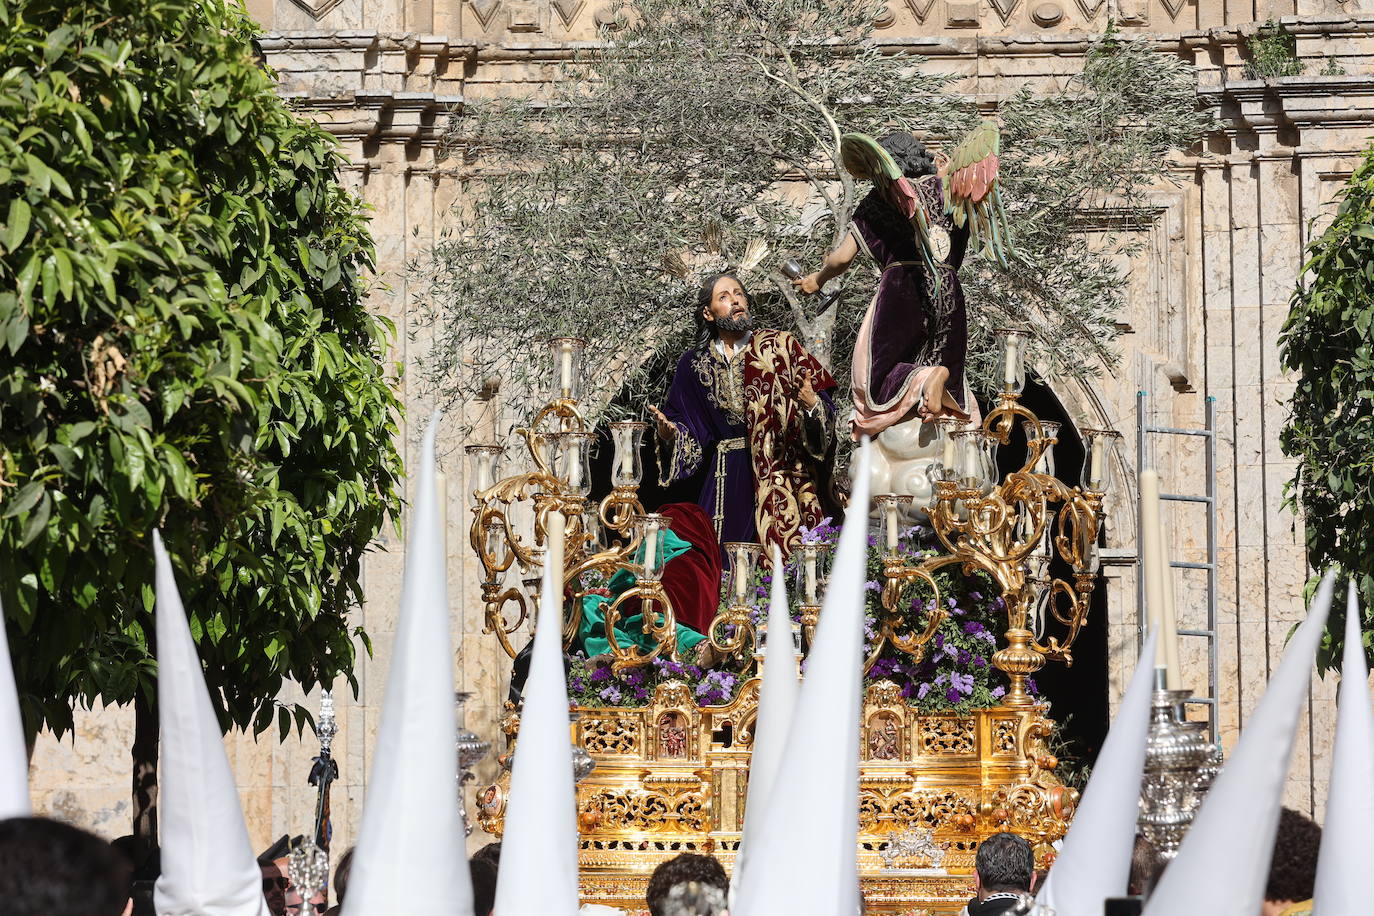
[(917, 223)]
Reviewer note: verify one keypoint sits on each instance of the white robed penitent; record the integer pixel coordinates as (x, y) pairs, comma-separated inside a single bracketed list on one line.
[(411, 854), (208, 866), (1342, 885), (538, 874), (14, 757), (811, 814), (1095, 863)]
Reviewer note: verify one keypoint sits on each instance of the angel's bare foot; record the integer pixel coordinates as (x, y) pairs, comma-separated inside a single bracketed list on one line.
[(933, 393)]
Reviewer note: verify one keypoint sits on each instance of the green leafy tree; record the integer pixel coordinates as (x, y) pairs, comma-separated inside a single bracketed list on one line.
[(1329, 341), (183, 346), (695, 126)]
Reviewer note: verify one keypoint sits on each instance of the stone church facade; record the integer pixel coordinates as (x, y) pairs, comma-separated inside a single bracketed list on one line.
[(1208, 296)]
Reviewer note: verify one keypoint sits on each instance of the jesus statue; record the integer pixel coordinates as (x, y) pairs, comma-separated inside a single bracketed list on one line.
[(756, 408)]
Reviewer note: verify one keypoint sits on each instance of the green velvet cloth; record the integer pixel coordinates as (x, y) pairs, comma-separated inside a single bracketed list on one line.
[(591, 632)]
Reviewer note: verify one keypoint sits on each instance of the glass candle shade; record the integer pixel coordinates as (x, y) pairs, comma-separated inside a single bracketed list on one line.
[(567, 355), (494, 540), (1099, 443), (482, 461), (1013, 345), (627, 467), (744, 556), (572, 460), (1038, 578), (1045, 464), (534, 578), (945, 428), (591, 526), (1089, 554), (651, 527), (974, 462), (810, 573), (891, 505)]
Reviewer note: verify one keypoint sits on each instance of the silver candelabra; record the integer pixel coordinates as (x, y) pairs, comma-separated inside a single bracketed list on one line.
[(471, 750), (1180, 764)]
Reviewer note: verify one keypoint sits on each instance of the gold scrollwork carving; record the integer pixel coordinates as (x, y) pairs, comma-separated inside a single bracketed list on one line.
[(945, 736), (620, 734)]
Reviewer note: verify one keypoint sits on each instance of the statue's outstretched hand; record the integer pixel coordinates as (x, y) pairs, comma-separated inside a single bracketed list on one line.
[(809, 284), (666, 430)]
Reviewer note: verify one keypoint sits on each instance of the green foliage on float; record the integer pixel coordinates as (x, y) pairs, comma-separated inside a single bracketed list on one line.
[(183, 346)]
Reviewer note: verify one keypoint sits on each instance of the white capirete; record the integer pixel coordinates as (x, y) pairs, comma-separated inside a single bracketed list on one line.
[(412, 854), (208, 866), (1096, 860), (1342, 883), (538, 874), (1223, 863), (777, 701), (812, 811), (14, 757)]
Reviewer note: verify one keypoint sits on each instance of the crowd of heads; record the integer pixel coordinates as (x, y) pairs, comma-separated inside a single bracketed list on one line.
[(49, 867)]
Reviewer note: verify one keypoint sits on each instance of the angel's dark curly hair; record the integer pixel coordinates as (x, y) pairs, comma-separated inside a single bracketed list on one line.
[(1293, 870), (910, 154), (706, 330)]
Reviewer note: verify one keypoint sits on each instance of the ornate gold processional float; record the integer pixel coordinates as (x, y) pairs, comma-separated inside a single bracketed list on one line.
[(665, 769)]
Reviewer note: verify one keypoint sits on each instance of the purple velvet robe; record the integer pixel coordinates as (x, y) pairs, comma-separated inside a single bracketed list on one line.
[(915, 322)]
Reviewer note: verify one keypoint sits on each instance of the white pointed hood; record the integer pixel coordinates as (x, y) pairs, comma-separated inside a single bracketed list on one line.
[(538, 874), (1096, 861), (1223, 863), (813, 807), (777, 702), (208, 866), (14, 755), (411, 854), (1342, 883)]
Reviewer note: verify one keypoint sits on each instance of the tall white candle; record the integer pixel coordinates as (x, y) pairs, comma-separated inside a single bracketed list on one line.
[(947, 457), (1009, 365), (1170, 635), (741, 586), (1099, 445), (565, 368), (650, 547), (890, 511), (1151, 549), (573, 460), (809, 565)]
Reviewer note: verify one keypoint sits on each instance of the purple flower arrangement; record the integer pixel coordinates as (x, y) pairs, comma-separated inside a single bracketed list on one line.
[(956, 673)]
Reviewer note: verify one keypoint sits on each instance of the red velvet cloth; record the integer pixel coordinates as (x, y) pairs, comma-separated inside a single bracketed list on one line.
[(692, 579)]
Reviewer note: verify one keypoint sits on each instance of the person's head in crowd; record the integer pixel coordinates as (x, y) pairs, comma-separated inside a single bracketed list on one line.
[(341, 873), (686, 868), (145, 863), (272, 863), (47, 867), (490, 853), (1293, 870), (1145, 868), (693, 898), (1003, 869), (483, 886)]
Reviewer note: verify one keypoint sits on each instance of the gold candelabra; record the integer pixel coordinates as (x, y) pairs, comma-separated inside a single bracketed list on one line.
[(1005, 529), (559, 445)]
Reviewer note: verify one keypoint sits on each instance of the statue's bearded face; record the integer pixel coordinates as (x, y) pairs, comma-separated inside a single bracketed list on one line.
[(729, 306)]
